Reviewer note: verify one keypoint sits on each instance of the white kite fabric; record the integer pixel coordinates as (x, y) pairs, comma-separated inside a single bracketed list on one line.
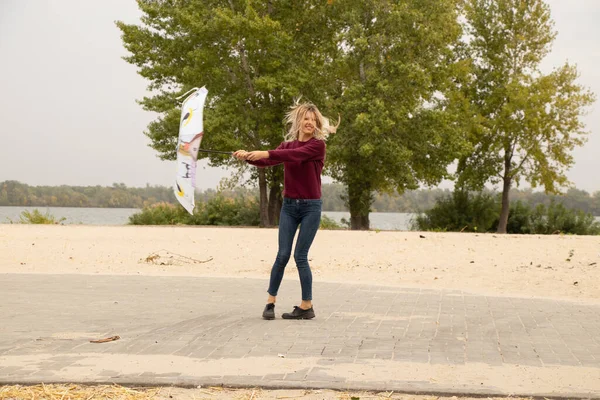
[(191, 129)]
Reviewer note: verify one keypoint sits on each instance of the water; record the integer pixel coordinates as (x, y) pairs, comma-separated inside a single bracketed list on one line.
[(120, 216), (383, 221), (73, 215)]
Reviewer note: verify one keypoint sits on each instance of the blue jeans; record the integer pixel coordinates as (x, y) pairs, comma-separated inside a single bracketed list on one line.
[(294, 212)]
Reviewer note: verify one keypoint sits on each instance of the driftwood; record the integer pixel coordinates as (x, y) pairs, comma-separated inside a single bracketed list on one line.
[(165, 257), (108, 339)]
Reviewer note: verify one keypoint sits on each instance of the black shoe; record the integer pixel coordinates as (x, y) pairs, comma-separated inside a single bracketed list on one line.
[(269, 312), (299, 313)]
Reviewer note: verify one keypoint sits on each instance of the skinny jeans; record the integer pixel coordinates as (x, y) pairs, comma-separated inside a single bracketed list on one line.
[(305, 213)]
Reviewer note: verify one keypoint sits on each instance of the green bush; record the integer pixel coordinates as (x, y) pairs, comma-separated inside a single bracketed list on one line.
[(555, 218), (230, 212), (576, 222), (330, 223), (217, 211), (160, 214), (36, 217), (464, 211), (520, 219), (460, 211)]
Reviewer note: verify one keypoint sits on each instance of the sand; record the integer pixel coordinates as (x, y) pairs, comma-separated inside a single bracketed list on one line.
[(557, 266)]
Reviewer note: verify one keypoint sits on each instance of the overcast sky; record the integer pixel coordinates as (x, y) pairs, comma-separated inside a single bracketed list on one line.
[(67, 107)]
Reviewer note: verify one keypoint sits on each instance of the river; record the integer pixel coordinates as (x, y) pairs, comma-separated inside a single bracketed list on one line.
[(120, 216)]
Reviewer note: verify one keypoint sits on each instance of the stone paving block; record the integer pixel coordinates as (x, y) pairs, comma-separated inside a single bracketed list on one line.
[(299, 375), (109, 374), (244, 381), (321, 375), (359, 324), (10, 370), (273, 377)]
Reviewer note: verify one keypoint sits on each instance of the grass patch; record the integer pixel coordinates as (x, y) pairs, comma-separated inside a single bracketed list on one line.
[(36, 217)]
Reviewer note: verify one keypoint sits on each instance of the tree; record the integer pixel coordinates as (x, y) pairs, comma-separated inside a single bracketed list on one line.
[(525, 123), (254, 57), (392, 66), (596, 204)]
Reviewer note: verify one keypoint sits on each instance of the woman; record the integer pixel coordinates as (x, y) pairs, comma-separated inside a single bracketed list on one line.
[(302, 154)]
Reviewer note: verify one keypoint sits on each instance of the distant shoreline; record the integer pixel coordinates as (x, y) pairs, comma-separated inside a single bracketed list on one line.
[(14, 193)]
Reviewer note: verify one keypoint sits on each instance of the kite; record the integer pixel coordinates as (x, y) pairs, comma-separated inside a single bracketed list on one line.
[(191, 130)]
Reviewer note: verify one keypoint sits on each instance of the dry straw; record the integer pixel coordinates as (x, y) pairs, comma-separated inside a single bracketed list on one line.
[(76, 392)]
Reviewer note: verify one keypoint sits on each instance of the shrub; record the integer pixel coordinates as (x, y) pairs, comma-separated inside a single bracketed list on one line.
[(556, 218), (36, 217), (460, 211), (217, 211), (520, 219), (160, 214), (577, 222), (226, 211), (463, 211), (330, 223)]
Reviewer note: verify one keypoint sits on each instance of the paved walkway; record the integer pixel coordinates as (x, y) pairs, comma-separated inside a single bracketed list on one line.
[(208, 331)]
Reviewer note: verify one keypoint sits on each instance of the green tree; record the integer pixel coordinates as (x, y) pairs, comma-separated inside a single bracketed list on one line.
[(392, 67), (254, 57), (595, 207), (525, 123), (4, 194)]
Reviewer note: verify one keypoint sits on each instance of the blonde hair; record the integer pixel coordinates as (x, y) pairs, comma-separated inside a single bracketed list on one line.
[(295, 117)]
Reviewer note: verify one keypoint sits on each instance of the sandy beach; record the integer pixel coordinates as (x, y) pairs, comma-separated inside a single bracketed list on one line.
[(558, 266)]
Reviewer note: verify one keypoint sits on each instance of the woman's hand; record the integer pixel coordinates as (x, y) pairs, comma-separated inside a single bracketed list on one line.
[(241, 154), (257, 155)]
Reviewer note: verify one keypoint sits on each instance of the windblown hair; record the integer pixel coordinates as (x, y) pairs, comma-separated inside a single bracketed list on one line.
[(295, 117)]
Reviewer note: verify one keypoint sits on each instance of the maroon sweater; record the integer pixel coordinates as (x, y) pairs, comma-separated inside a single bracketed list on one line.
[(302, 166)]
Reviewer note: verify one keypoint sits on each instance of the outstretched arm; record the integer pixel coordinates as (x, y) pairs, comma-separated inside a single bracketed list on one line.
[(312, 150), (257, 158)]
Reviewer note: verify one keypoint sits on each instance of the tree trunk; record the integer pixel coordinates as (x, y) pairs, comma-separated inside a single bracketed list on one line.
[(262, 187), (506, 183), (359, 222), (505, 205), (275, 179), (359, 203), (275, 202)]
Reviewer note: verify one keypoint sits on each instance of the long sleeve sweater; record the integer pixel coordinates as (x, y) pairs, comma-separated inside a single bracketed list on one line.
[(302, 163)]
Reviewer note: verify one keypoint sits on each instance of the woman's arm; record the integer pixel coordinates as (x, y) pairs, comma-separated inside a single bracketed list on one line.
[(257, 158), (265, 162), (312, 150)]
